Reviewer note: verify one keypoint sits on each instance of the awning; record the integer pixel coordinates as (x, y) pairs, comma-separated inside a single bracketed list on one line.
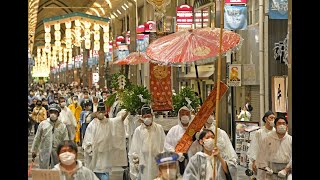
[(202, 75)]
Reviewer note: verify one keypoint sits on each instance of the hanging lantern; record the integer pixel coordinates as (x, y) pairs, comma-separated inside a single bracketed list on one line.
[(60, 54), (87, 43), (57, 26), (87, 33), (47, 37), (96, 45), (57, 43), (106, 47), (70, 55), (47, 47), (47, 28), (57, 35), (68, 24), (65, 55), (68, 43)]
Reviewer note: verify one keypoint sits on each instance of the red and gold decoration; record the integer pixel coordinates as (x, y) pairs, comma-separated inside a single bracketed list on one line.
[(160, 87), (200, 119)]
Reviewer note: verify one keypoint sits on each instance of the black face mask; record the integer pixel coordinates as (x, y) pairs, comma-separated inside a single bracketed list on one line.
[(38, 104)]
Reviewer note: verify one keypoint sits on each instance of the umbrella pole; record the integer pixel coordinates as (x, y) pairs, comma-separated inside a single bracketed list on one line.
[(218, 85), (199, 89)]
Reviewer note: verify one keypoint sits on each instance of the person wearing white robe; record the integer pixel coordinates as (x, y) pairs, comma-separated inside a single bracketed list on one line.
[(253, 149), (66, 116), (176, 132), (201, 165), (50, 133), (223, 142), (147, 142), (275, 155), (104, 143)]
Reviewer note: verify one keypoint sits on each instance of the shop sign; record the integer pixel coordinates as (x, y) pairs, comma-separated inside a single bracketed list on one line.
[(150, 26), (184, 14), (140, 28), (95, 77), (234, 75)]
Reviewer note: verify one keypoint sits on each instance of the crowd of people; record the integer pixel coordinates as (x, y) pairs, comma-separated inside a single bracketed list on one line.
[(66, 117)]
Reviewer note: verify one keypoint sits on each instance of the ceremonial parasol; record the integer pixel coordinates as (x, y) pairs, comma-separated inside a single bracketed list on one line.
[(185, 47), (134, 58)]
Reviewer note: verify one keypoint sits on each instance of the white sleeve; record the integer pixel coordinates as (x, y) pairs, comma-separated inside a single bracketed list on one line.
[(254, 146), (169, 145), (72, 118), (88, 138)]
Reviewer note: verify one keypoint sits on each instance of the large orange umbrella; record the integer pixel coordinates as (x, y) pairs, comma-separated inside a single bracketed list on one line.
[(192, 45), (133, 59)]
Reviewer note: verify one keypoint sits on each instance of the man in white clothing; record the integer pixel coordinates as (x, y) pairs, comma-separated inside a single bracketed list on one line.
[(253, 149), (147, 142), (175, 134), (66, 116), (276, 152), (104, 143)]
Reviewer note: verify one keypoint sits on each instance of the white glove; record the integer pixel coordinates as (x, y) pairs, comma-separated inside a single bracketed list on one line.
[(269, 171), (282, 173), (181, 157)]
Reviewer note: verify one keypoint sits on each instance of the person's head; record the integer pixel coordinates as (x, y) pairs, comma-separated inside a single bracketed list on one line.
[(67, 152), (147, 115), (104, 94), (168, 165), (184, 115), (62, 102), (85, 94), (39, 102), (44, 101), (281, 125), (95, 99), (209, 122), (268, 118), (248, 107), (34, 101), (87, 106), (206, 139), (101, 110), (31, 93), (75, 99), (54, 111)]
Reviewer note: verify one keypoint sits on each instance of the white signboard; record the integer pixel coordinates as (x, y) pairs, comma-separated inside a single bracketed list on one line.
[(45, 174), (95, 77)]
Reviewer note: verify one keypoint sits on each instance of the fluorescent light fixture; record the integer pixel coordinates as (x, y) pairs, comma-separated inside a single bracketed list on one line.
[(126, 5), (115, 14), (123, 7), (118, 11)]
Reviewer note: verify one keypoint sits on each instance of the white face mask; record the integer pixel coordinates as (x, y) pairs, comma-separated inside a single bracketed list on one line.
[(208, 144), (63, 104), (185, 119), (271, 123), (147, 121), (100, 116), (169, 174), (67, 158), (53, 117), (281, 129)]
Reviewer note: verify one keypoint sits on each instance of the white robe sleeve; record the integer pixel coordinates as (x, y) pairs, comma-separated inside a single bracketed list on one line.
[(169, 144), (72, 118), (134, 151), (88, 138), (37, 139)]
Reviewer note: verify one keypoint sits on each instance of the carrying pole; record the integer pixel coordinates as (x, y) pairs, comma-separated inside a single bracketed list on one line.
[(218, 84)]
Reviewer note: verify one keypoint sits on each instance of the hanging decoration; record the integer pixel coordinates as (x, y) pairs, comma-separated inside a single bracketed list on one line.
[(96, 37), (87, 34), (77, 31), (57, 35)]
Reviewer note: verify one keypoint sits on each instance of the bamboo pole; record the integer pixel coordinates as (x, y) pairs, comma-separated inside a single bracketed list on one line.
[(218, 84)]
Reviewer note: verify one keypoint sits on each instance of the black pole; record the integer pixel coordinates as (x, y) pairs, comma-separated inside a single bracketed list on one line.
[(233, 116), (140, 77), (199, 89)]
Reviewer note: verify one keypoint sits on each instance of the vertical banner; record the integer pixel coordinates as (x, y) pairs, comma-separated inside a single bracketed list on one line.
[(279, 94), (235, 17), (234, 75), (278, 9), (249, 74), (160, 87), (200, 119)]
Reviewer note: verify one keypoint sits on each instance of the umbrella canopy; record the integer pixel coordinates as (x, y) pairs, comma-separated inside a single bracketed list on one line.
[(192, 45), (133, 59)]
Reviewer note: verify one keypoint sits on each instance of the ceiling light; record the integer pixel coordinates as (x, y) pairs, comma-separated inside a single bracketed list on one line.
[(118, 11), (123, 7), (115, 14), (126, 5)]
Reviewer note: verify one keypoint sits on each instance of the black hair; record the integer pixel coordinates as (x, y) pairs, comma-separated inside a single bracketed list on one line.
[(267, 114), (68, 143), (250, 108), (204, 132), (104, 92), (280, 117)]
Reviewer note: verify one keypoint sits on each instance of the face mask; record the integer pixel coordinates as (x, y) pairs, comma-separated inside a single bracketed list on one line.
[(208, 144), (100, 116), (67, 158), (271, 123), (281, 129), (147, 121), (63, 104), (53, 117), (169, 174), (185, 119), (75, 101), (38, 104)]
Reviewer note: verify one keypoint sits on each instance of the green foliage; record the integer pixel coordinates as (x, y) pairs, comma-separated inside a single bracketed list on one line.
[(180, 101), (114, 81), (130, 100), (111, 99)]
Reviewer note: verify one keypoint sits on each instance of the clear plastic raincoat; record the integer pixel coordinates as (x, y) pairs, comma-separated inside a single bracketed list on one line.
[(46, 140), (79, 173)]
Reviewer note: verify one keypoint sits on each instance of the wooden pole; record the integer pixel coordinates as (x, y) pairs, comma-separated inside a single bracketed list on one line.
[(218, 85)]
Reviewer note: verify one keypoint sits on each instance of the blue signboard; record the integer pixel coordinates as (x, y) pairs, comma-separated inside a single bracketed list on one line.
[(235, 17), (278, 9)]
